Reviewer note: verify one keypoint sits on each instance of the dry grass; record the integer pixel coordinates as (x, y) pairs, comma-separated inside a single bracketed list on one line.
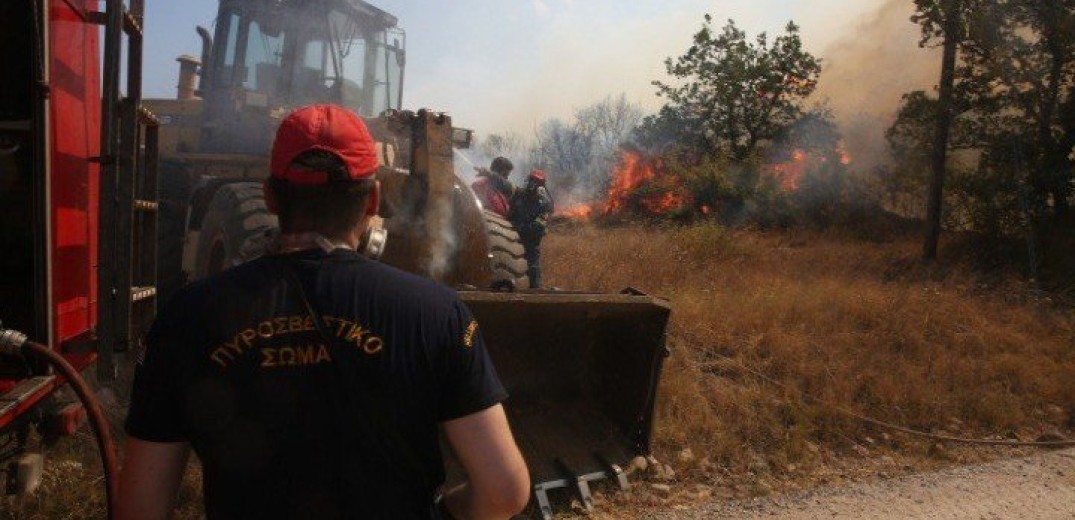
[(859, 325)]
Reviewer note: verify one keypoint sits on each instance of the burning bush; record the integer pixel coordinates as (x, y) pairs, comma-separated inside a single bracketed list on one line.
[(797, 186)]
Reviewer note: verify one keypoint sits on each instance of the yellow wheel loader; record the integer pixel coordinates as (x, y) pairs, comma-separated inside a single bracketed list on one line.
[(581, 368)]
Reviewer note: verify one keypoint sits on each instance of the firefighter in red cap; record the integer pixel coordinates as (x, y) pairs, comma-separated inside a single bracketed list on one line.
[(530, 210), (493, 188), (313, 382)]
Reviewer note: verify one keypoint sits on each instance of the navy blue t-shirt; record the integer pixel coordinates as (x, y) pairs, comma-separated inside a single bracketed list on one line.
[(288, 426)]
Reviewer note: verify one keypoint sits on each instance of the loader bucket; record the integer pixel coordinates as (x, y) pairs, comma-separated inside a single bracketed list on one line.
[(581, 370)]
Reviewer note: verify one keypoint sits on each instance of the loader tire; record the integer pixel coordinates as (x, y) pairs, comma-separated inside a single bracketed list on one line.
[(175, 185), (506, 253), (236, 228)]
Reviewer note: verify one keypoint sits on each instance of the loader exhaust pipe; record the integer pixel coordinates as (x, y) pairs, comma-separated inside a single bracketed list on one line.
[(207, 49), (188, 73)]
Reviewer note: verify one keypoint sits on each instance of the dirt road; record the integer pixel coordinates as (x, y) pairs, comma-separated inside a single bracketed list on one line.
[(1038, 487)]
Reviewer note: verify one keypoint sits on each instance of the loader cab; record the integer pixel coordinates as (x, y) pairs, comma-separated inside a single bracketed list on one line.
[(270, 57)]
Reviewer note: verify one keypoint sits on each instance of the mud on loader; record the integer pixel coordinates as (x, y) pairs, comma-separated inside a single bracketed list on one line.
[(581, 368)]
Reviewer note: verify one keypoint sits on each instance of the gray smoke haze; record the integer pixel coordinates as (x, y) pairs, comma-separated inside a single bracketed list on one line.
[(867, 70)]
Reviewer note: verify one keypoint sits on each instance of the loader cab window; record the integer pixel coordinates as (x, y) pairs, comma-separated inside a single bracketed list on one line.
[(230, 28), (252, 55), (350, 80), (354, 65), (263, 55), (389, 79), (301, 58), (350, 62)]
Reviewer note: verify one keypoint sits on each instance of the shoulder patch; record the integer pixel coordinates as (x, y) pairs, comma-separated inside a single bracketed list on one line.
[(468, 336)]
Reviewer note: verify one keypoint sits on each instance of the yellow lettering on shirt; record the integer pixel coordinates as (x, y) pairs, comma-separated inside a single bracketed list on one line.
[(294, 324), (248, 337), (304, 355), (258, 336), (372, 345), (468, 336), (355, 335), (301, 356), (287, 356), (265, 329), (221, 356), (268, 357), (280, 327)]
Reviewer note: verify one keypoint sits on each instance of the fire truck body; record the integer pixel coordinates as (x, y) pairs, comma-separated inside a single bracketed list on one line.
[(67, 143)]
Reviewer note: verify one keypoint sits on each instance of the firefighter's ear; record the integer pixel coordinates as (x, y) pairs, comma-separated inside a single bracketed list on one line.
[(373, 201), (270, 197)]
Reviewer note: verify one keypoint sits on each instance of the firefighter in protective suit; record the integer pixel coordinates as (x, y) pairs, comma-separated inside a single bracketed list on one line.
[(493, 188), (530, 210)]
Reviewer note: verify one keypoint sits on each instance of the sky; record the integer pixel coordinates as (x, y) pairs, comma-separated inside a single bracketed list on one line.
[(503, 66)]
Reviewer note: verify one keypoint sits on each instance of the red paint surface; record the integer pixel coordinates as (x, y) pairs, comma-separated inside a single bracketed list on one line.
[(76, 116), (79, 361), (28, 404), (75, 94)]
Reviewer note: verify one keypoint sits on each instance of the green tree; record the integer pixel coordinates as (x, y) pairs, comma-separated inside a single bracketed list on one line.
[(1018, 79), (940, 20), (905, 182), (1012, 100), (734, 93)]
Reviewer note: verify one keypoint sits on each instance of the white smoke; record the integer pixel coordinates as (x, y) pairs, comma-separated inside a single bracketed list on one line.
[(867, 71)]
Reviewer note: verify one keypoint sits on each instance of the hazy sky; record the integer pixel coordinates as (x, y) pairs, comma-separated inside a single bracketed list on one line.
[(507, 65)]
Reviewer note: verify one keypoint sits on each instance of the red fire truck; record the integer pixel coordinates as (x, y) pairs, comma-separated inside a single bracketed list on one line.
[(77, 214)]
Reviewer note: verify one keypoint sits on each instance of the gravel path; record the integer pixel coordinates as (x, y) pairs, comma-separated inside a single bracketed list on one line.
[(1038, 487)]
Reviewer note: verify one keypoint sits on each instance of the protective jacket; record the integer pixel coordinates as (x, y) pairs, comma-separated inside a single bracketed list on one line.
[(494, 192), (530, 210)]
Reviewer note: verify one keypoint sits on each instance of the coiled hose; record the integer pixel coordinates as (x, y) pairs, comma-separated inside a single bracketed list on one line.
[(16, 343)]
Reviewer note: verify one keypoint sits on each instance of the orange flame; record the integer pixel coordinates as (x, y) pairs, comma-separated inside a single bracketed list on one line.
[(845, 158), (788, 175), (635, 171), (581, 211)]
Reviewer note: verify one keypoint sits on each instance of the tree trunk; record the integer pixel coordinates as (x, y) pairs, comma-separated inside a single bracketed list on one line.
[(939, 156)]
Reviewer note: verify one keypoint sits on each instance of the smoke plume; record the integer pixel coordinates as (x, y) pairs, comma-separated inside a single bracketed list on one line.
[(868, 70)]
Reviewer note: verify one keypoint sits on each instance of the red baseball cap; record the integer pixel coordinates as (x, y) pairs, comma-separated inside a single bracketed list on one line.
[(538, 175), (329, 128)]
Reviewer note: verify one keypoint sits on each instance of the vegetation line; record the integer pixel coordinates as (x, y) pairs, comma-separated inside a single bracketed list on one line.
[(895, 427)]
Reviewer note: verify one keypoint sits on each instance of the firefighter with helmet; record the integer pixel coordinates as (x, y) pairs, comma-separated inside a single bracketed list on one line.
[(530, 210), (493, 188)]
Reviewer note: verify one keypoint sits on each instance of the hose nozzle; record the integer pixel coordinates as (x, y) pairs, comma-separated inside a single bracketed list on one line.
[(11, 341)]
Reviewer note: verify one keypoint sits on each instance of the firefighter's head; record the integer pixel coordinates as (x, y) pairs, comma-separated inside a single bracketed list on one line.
[(502, 166), (535, 179), (322, 173)]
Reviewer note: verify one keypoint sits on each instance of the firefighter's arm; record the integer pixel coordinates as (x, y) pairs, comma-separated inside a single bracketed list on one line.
[(150, 479), (498, 483), (547, 206)]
